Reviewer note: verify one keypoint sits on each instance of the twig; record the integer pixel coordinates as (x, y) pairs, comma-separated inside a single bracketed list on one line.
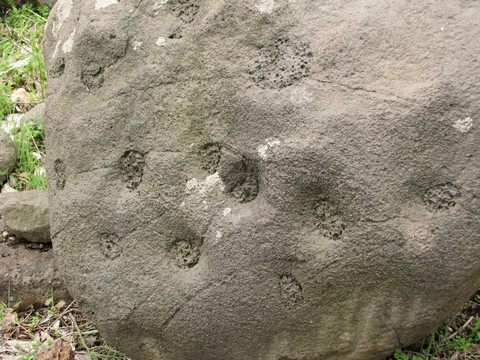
[(464, 326), (34, 13), (82, 340)]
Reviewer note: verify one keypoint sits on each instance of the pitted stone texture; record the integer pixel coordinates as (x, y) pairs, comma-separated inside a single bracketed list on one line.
[(282, 64), (257, 179), (442, 197), (186, 10)]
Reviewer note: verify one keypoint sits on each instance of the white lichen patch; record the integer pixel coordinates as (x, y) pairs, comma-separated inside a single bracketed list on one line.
[(218, 235), (346, 337), (157, 6), (264, 149), (210, 183), (68, 45), (63, 12), (265, 6), (55, 52), (300, 97), (136, 45), (463, 125), (227, 211), (100, 4), (161, 41)]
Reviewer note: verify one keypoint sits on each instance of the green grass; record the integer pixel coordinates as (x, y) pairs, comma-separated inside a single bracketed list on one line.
[(29, 143), (22, 86), (456, 339), (22, 67)]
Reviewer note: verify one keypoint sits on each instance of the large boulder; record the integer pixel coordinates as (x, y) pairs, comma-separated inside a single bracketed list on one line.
[(265, 179)]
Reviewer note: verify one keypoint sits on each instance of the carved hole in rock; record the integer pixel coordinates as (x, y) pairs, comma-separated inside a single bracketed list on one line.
[(441, 197), (210, 156), (58, 67), (329, 220), (238, 175), (131, 166), (248, 190), (186, 10), (290, 288), (176, 34), (282, 64), (186, 254), (92, 76), (59, 171), (110, 246)]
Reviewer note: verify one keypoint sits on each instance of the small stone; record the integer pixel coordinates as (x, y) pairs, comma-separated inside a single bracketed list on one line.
[(35, 246), (25, 214)]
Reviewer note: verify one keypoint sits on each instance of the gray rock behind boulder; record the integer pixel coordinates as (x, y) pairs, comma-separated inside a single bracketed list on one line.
[(35, 115), (7, 155), (25, 214), (29, 276), (265, 179), (49, 3)]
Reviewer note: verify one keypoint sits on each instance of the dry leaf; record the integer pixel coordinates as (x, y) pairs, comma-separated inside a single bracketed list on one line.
[(455, 356), (44, 336), (19, 345), (58, 350), (9, 357), (82, 356), (55, 325), (7, 323), (61, 304), (20, 96)]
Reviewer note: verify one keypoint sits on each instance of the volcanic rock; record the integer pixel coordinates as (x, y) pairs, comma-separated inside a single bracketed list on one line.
[(265, 179)]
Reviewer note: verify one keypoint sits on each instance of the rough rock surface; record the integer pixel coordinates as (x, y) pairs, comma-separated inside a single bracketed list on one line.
[(7, 155), (29, 275), (265, 179), (25, 214), (49, 3)]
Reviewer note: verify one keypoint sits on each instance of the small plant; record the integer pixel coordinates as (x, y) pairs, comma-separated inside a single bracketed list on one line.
[(37, 329), (2, 310), (29, 173), (400, 355)]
